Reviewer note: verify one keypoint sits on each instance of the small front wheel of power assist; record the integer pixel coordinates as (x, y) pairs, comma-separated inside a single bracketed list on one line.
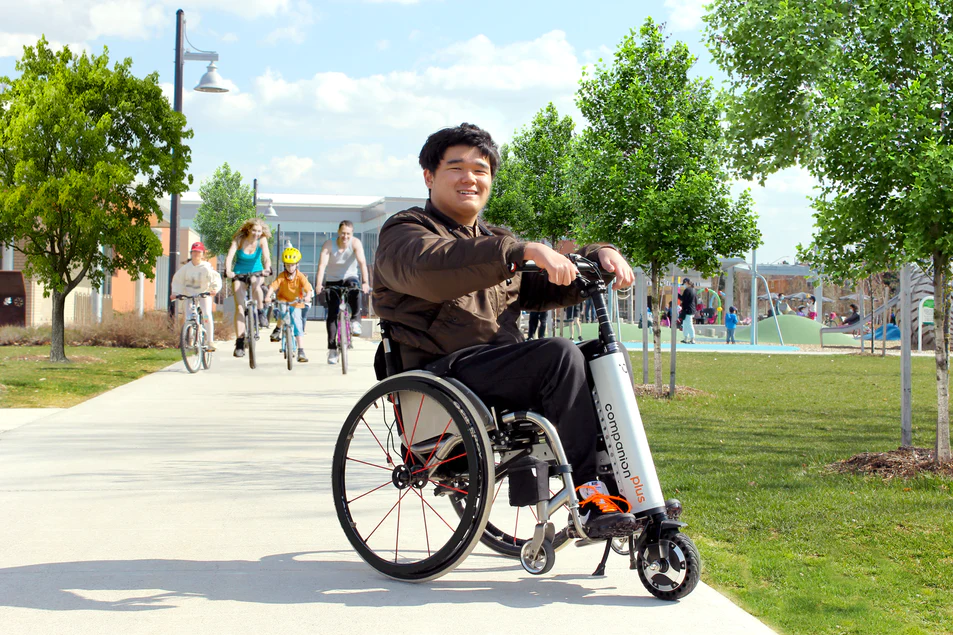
[(669, 569), (620, 545), (542, 561)]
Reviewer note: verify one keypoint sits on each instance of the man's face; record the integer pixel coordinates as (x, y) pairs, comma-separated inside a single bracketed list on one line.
[(344, 234), (461, 184)]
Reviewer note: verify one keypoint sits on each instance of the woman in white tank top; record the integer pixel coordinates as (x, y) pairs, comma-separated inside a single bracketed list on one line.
[(343, 262)]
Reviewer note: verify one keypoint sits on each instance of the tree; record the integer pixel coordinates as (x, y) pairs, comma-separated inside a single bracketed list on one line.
[(857, 92), (85, 153), (650, 177), (531, 192), (226, 204)]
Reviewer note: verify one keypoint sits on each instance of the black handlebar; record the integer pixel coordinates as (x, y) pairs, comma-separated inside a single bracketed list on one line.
[(204, 294), (582, 264)]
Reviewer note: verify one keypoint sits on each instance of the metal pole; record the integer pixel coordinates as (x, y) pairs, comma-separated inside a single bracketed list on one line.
[(906, 385), (674, 319), (177, 106), (643, 312), (754, 297)]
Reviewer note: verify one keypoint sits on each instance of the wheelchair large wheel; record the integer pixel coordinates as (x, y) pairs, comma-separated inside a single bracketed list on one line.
[(407, 455)]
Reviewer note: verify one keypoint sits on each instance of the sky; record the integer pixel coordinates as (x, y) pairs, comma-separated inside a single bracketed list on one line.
[(337, 96)]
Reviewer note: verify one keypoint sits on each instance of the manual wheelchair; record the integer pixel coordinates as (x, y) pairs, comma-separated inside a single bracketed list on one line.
[(421, 461)]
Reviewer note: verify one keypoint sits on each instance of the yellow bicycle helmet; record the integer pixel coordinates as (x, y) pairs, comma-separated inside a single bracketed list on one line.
[(290, 256)]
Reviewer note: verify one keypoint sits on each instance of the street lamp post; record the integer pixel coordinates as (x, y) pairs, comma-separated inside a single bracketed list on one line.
[(211, 82)]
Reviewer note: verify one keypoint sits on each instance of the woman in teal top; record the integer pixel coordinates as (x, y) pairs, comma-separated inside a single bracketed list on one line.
[(248, 254)]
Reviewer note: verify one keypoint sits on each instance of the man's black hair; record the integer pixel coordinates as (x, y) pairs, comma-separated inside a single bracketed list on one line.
[(466, 134)]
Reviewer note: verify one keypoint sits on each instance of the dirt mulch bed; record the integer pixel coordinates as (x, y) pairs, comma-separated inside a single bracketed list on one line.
[(904, 462), (648, 390), (78, 359)]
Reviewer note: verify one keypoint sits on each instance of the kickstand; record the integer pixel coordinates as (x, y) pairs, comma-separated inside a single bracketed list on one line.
[(601, 569)]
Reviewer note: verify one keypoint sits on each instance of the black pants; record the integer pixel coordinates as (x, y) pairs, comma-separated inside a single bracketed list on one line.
[(547, 376), (334, 306), (538, 319)]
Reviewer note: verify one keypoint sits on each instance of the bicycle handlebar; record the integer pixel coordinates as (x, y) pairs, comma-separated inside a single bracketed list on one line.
[(582, 264), (246, 277), (204, 294)]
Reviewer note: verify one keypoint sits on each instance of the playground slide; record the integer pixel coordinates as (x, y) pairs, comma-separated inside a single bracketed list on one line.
[(856, 326)]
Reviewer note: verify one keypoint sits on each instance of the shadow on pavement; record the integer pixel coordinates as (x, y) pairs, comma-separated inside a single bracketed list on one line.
[(290, 578)]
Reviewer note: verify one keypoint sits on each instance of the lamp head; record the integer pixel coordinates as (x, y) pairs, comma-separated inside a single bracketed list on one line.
[(211, 81)]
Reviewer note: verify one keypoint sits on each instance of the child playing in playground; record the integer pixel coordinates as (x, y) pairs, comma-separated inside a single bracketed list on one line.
[(291, 286), (731, 323)]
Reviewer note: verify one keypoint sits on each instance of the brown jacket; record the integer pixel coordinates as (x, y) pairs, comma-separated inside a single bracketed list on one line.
[(444, 286)]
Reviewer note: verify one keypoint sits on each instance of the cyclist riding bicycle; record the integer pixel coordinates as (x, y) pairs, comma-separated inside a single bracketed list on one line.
[(291, 286), (341, 259), (197, 276), (444, 283), (250, 255)]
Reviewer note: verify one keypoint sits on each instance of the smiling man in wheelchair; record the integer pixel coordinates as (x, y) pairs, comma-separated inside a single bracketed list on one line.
[(444, 282)]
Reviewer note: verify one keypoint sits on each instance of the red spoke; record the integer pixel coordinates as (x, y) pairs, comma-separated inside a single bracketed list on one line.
[(430, 467), (448, 487), (534, 514), (385, 484), (397, 534), (423, 512), (516, 525), (386, 453), (380, 467), (437, 444), (414, 431), (385, 517), (498, 488), (434, 510)]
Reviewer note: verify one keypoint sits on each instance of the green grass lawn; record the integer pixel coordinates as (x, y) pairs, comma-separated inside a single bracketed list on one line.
[(28, 382), (805, 550)]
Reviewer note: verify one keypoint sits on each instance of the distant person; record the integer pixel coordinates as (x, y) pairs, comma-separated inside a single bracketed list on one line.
[(802, 311), (854, 316), (343, 261), (811, 307), (687, 315), (731, 323), (572, 316), (198, 276), (537, 324)]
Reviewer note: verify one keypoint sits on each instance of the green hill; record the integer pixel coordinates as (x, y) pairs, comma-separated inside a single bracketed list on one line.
[(796, 330)]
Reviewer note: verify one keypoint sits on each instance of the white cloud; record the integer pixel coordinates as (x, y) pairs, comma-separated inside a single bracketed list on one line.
[(86, 20), (348, 169), (392, 1), (229, 37), (785, 215), (284, 35), (686, 14), (383, 45), (517, 80)]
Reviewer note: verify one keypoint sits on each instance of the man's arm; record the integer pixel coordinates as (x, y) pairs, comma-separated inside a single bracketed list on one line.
[(362, 261), (414, 260), (322, 265)]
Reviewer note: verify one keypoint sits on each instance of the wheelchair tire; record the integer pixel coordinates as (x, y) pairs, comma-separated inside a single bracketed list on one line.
[(393, 499)]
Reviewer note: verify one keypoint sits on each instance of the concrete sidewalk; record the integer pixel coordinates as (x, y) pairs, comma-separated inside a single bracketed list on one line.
[(202, 504)]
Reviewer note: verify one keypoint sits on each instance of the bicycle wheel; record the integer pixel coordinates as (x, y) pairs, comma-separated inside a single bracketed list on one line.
[(206, 354), (342, 343), (251, 332), (189, 343), (289, 344), (393, 484)]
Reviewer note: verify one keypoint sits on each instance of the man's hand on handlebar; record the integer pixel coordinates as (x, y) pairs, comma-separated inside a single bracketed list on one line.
[(612, 261), (560, 269)]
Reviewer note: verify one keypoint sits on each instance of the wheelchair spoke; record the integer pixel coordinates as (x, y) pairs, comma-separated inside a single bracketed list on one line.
[(414, 431), (400, 497), (423, 502), (389, 512), (384, 484), (499, 486), (439, 439), (445, 486), (380, 467), (433, 465), (386, 453)]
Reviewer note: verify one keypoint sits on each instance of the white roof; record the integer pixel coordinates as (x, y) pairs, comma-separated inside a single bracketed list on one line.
[(304, 200)]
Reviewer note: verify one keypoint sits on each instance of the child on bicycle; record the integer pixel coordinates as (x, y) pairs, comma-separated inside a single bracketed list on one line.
[(250, 254), (291, 286), (197, 276)]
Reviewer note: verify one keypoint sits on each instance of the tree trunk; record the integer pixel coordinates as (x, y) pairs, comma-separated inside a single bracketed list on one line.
[(57, 349), (942, 331), (657, 329), (884, 320)]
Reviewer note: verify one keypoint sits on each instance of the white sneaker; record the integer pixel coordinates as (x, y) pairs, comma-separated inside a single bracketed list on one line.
[(355, 327), (333, 356)]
